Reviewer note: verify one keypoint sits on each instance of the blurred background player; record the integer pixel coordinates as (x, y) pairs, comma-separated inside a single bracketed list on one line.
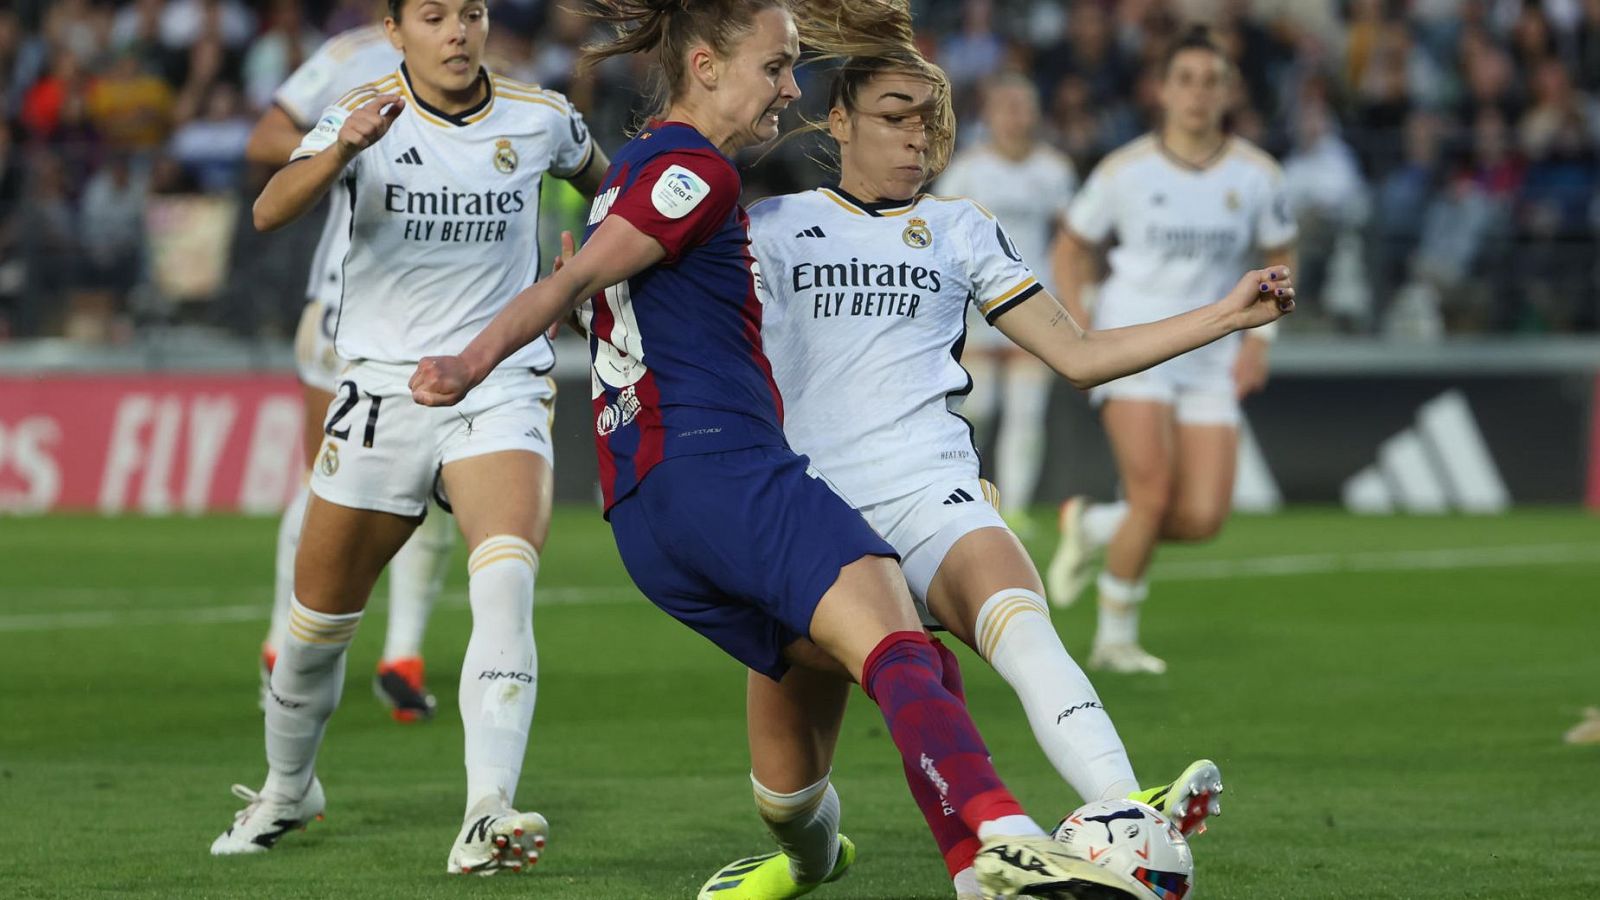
[(440, 162), (1587, 731), (1027, 185), (1188, 206), (880, 431), (416, 574)]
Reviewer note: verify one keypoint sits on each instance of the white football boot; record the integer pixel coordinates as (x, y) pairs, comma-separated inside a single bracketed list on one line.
[(494, 837), (259, 826), (1068, 572), (1127, 659)]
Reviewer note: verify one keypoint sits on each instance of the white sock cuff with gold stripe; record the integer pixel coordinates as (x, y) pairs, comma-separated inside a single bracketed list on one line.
[(500, 548), (999, 611), (319, 627), (776, 807)]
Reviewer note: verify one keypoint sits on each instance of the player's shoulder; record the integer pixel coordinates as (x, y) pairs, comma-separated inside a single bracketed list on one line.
[(1243, 152), (350, 43), (1129, 156), (360, 94), (778, 207), (526, 94), (954, 208)]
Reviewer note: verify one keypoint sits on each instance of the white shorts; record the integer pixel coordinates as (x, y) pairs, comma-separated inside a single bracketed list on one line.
[(924, 524), (381, 451), (1198, 386), (314, 358)]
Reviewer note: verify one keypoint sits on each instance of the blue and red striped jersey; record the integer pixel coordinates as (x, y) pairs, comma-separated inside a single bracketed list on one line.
[(678, 368)]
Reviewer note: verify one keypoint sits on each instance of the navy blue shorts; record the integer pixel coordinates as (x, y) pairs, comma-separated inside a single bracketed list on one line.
[(740, 546)]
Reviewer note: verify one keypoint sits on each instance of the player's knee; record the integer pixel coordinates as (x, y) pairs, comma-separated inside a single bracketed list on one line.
[(1193, 522), (1151, 501)]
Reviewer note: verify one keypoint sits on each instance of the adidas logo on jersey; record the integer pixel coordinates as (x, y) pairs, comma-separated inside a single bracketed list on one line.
[(813, 231), (959, 496), (409, 158)]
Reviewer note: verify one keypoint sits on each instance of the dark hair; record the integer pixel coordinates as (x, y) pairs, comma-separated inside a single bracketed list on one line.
[(668, 28), (1197, 37), (394, 9)]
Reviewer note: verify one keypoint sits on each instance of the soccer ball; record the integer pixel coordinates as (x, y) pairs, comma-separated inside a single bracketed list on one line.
[(1136, 843)]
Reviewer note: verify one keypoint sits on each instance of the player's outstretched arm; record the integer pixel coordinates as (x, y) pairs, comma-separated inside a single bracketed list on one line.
[(615, 252), (1088, 358), (295, 189)]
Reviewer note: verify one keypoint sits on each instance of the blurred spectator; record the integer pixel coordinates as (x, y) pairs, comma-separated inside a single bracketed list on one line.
[(211, 148), (1329, 197), (279, 50), (49, 238), (112, 217), (976, 50), (131, 108), (185, 22), (1401, 202)]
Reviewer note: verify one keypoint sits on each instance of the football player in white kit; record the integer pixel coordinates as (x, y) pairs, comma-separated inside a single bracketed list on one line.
[(1027, 185), (866, 286), (440, 162), (1188, 206), (416, 574)]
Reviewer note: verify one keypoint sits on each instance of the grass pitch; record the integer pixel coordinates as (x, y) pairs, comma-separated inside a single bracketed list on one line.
[(1386, 698)]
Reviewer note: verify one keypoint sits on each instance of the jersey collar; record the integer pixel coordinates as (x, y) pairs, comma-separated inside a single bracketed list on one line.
[(438, 116), (877, 209), (1206, 165)]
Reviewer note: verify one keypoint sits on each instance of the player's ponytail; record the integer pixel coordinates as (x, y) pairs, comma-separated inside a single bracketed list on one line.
[(668, 28), (870, 38)]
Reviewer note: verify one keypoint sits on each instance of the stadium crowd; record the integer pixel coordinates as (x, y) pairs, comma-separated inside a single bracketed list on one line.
[(1443, 156)]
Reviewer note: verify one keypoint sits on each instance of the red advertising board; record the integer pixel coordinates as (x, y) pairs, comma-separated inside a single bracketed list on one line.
[(149, 444)]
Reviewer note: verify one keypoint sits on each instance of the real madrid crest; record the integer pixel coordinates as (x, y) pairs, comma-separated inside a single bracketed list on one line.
[(1232, 199), (329, 462), (505, 158), (917, 236)]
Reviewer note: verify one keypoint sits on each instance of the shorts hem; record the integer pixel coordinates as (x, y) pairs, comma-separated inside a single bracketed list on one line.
[(412, 510)]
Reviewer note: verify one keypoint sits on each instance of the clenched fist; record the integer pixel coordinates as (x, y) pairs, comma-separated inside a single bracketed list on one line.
[(369, 123), (440, 381), (1262, 296)]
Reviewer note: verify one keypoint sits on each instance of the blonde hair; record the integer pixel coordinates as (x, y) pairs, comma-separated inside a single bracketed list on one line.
[(869, 38)]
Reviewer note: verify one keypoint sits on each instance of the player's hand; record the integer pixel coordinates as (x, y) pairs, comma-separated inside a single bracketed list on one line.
[(568, 247), (1262, 296), (440, 381), (368, 124), (1250, 367)]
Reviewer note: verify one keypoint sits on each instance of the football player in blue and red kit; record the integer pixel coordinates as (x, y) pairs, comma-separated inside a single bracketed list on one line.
[(717, 520)]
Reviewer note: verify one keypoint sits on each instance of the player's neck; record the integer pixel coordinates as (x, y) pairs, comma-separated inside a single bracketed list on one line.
[(721, 136), (856, 185), (451, 102), (1196, 149), (1014, 151)]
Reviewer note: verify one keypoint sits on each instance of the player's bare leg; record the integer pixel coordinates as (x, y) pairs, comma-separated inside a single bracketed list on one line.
[(1142, 440), (341, 552), (1202, 491), (793, 728), (502, 502)]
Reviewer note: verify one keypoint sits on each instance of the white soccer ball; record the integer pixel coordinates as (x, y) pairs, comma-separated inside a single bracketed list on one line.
[(1141, 846)]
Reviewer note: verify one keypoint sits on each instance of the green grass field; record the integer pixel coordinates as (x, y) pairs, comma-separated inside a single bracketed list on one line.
[(1386, 698)]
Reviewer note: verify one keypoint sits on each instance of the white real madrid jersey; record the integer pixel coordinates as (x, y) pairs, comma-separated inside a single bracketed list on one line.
[(344, 61), (1184, 235), (1029, 196), (865, 313), (445, 214)]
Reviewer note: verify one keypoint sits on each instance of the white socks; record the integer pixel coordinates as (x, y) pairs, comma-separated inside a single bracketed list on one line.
[(1101, 521), (1019, 447), (1119, 609), (306, 683), (416, 575), (294, 515), (499, 676), (805, 825), (1015, 635)]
